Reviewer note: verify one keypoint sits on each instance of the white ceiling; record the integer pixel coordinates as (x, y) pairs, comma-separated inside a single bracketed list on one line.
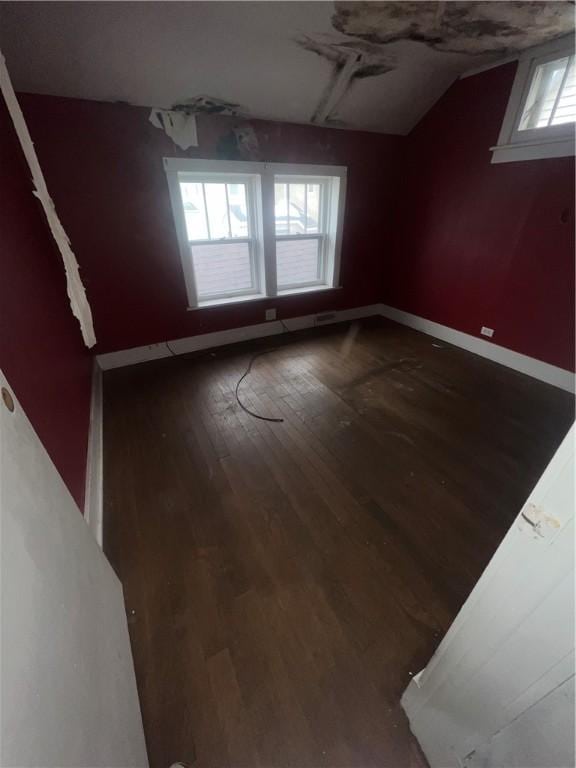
[(375, 66)]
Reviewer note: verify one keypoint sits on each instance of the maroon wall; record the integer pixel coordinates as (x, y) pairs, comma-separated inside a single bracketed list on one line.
[(41, 349), (481, 244), (103, 164), (432, 227)]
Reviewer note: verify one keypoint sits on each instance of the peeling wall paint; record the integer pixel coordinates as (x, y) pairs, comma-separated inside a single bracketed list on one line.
[(458, 27), (75, 288), (179, 123), (179, 126)]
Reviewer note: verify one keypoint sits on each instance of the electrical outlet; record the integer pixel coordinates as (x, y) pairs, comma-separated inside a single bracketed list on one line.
[(270, 314), (487, 331)]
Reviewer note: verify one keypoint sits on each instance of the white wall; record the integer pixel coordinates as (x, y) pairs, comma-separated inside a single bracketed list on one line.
[(68, 691), (497, 691)]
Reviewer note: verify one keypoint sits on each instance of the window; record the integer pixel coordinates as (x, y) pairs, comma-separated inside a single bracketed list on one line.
[(541, 113), (552, 95), (222, 211), (220, 233), (301, 225)]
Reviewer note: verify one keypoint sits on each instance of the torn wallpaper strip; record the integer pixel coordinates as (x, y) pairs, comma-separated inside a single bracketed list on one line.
[(74, 286)]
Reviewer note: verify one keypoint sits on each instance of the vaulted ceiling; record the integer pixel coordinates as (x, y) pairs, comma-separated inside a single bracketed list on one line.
[(371, 65)]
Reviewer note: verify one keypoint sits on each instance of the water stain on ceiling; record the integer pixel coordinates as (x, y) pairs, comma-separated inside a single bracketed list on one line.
[(457, 27), (366, 32), (351, 60), (361, 65)]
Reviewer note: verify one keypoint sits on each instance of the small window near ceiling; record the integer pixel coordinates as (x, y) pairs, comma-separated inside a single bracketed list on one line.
[(254, 230), (541, 113), (552, 95)]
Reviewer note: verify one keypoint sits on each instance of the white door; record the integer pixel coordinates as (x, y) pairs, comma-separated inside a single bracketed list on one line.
[(68, 691), (499, 690)]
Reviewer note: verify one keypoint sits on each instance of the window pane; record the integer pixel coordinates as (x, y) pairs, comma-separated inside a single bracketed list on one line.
[(297, 261), (217, 211), (297, 209), (565, 111), (281, 208), (222, 268), (193, 203), (543, 93), (313, 211), (238, 210)]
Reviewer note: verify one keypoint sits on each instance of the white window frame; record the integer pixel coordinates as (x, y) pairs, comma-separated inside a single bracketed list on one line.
[(536, 143), (261, 178)]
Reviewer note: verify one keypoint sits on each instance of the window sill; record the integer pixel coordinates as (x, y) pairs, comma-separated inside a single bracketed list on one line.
[(228, 301), (261, 297), (536, 150), (307, 289)]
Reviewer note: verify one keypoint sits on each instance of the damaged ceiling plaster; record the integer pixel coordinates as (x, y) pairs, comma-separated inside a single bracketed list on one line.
[(377, 66), (351, 60), (208, 105), (458, 27), (471, 28)]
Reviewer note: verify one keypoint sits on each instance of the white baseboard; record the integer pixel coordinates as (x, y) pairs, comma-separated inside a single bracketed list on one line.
[(93, 498), (220, 338), (551, 374)]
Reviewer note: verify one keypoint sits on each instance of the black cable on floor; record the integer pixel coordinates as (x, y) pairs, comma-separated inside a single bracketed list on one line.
[(241, 379), (247, 371)]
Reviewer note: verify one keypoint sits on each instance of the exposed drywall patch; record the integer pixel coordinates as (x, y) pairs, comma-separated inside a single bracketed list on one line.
[(179, 126), (351, 60), (75, 288), (458, 27)]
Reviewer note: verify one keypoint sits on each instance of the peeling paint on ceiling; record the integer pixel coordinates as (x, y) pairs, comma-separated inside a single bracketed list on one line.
[(351, 60), (365, 65), (209, 105), (458, 27)]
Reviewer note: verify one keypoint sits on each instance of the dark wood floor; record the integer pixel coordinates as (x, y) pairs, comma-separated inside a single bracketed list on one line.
[(283, 581)]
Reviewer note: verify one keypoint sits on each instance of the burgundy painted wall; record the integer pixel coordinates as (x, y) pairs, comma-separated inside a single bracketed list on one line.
[(432, 227), (103, 165), (480, 244), (41, 349)]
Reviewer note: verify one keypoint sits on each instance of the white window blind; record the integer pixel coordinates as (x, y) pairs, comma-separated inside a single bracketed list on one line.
[(552, 96)]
